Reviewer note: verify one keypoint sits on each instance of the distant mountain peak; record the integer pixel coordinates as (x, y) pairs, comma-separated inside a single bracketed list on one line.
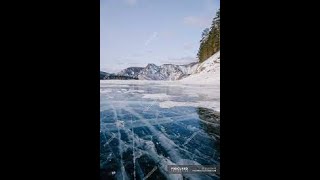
[(131, 71), (166, 71), (151, 65)]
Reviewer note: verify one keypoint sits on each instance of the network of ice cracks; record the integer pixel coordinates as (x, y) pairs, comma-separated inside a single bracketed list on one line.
[(139, 136)]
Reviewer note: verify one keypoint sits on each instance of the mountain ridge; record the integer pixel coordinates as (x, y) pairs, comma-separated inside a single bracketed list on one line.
[(168, 72)]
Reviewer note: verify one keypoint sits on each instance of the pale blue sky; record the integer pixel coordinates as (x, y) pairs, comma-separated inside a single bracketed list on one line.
[(138, 32)]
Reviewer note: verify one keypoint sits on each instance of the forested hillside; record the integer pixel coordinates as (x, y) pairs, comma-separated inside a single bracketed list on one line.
[(210, 40)]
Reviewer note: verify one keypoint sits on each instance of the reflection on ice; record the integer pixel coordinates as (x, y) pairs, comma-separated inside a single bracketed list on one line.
[(138, 136)]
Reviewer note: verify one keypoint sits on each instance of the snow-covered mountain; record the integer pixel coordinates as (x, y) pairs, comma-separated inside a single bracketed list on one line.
[(163, 72), (188, 68), (103, 75), (167, 71), (204, 71), (208, 70), (131, 71)]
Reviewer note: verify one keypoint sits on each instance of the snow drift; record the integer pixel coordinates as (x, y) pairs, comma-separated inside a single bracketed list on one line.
[(206, 72)]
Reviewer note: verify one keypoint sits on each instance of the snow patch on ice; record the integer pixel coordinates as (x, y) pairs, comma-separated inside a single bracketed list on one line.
[(135, 91), (119, 124), (156, 96), (208, 104), (105, 91)]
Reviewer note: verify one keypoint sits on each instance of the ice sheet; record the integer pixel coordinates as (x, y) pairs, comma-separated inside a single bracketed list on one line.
[(147, 125)]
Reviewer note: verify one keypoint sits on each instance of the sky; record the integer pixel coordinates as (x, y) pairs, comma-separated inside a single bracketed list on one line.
[(134, 33)]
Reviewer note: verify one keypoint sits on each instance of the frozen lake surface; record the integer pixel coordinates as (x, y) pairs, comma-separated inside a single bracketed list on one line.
[(147, 125)]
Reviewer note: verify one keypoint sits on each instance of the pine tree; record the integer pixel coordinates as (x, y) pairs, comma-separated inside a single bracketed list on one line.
[(205, 35), (210, 39)]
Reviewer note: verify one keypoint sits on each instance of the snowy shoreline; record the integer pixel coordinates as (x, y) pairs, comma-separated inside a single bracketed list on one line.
[(206, 73), (203, 84)]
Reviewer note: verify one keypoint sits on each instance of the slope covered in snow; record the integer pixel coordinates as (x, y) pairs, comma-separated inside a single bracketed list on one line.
[(131, 71), (188, 68), (163, 72), (208, 72), (193, 73)]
